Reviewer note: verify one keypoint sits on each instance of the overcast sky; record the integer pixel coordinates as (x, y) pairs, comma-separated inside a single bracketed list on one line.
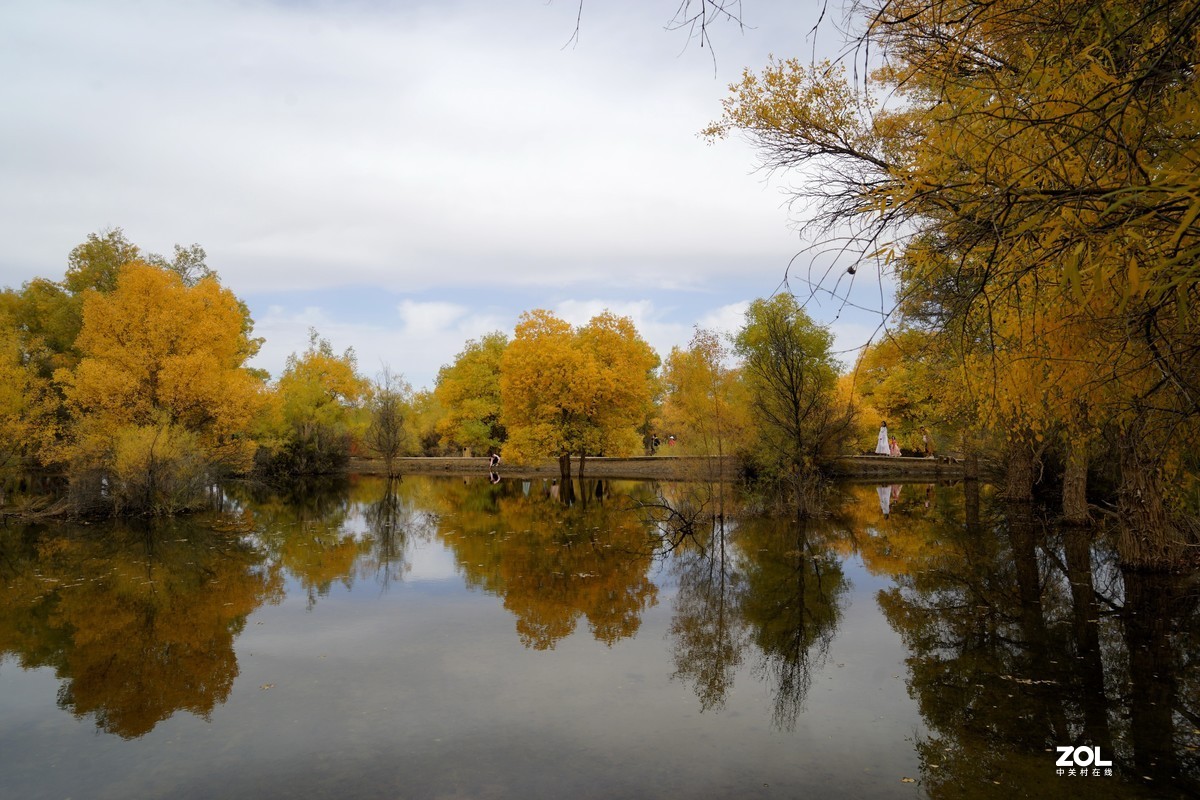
[(404, 176)]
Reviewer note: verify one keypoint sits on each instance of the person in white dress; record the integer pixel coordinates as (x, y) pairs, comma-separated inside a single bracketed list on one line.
[(882, 447)]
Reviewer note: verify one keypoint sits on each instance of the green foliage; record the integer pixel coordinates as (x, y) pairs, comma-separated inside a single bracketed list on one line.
[(96, 264), (314, 417), (791, 377)]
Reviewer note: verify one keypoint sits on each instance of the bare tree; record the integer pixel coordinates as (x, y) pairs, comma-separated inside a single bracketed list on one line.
[(386, 434)]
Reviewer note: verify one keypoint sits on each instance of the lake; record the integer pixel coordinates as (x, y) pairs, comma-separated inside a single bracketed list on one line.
[(459, 638)]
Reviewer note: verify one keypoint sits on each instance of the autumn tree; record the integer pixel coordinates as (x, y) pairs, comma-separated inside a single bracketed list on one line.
[(704, 402), (28, 404), (421, 424), (160, 400), (572, 391), (314, 412), (1033, 180), (468, 391)]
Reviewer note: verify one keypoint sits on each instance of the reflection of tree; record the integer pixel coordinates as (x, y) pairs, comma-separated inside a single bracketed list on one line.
[(707, 627), (1162, 635), (771, 586), (1019, 642), (336, 529), (138, 624), (552, 563), (389, 520), (304, 528), (792, 594)]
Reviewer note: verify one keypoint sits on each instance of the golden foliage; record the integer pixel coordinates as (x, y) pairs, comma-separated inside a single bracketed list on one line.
[(469, 393), (568, 390), (157, 355), (706, 405)]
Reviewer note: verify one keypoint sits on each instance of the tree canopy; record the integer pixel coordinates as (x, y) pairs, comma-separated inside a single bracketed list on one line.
[(576, 391)]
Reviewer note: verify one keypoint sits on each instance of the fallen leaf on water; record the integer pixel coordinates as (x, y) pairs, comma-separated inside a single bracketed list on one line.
[(908, 780), (267, 686)]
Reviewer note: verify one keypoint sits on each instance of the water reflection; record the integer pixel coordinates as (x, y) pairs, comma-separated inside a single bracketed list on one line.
[(1022, 638), (138, 623), (559, 553), (768, 589), (1017, 637)]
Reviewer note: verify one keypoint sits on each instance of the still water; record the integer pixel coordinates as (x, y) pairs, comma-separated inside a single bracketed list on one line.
[(442, 638)]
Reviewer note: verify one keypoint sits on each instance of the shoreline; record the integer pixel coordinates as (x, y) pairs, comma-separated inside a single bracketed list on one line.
[(659, 467)]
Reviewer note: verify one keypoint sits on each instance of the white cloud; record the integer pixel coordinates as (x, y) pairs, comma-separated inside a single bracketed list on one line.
[(422, 338), (727, 319), (426, 318), (398, 149), (317, 145)]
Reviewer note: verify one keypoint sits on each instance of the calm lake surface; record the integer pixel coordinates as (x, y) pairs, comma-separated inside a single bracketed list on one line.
[(443, 638)]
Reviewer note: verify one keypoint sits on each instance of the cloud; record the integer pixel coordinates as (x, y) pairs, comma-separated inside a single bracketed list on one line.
[(318, 144), (425, 318), (727, 319), (451, 163), (417, 342)]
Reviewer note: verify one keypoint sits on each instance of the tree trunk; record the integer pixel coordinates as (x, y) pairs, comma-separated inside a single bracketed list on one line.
[(1074, 496), (971, 465), (1020, 472), (969, 445), (1148, 538), (582, 458), (564, 467)]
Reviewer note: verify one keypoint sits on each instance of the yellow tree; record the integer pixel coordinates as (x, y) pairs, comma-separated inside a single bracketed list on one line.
[(571, 391), (161, 399), (469, 393), (1023, 170), (705, 402), (28, 405)]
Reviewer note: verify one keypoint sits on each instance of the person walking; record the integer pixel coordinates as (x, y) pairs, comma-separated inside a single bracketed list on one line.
[(894, 447)]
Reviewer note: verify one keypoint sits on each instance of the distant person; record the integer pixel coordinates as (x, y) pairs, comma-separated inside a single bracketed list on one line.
[(654, 443), (671, 440), (494, 461), (927, 442), (882, 447), (894, 447)]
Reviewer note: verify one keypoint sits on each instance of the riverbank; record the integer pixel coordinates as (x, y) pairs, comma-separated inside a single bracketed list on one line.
[(669, 468)]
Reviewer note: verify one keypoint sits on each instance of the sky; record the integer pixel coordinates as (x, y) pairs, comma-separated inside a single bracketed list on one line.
[(405, 176)]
